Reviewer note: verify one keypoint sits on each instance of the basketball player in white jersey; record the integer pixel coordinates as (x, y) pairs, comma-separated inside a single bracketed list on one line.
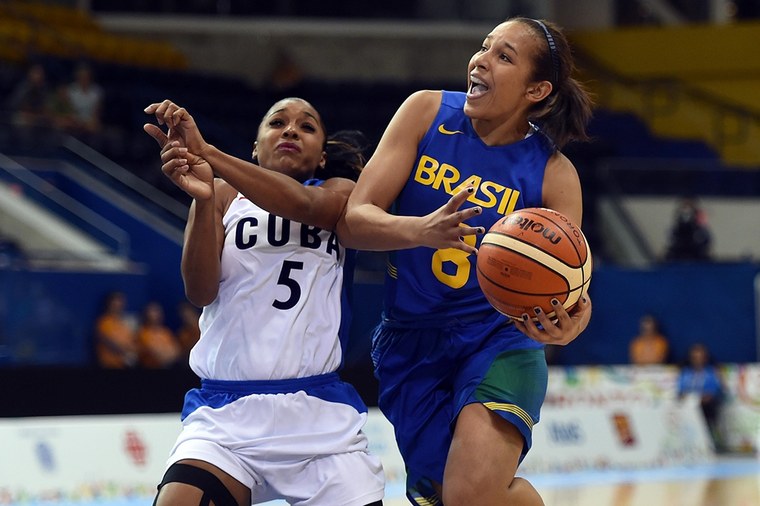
[(271, 419)]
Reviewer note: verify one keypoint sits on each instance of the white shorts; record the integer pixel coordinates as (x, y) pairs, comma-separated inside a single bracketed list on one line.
[(293, 446)]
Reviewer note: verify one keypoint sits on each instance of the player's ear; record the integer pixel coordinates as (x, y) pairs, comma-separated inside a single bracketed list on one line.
[(538, 91), (323, 160), (255, 153)]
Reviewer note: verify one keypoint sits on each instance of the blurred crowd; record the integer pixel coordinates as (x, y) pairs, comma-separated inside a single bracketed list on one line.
[(41, 110), (124, 340)]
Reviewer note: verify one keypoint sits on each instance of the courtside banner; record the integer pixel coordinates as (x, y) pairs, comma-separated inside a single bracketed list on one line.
[(82, 458), (616, 418), (740, 416)]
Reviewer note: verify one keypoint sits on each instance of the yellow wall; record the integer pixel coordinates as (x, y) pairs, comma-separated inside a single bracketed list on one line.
[(688, 52), (695, 82)]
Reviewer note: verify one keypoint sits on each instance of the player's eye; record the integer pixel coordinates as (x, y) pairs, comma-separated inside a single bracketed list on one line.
[(309, 127), (276, 123)]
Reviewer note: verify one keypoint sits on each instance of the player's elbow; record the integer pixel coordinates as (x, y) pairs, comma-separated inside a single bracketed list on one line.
[(199, 299), (201, 294), (347, 228)]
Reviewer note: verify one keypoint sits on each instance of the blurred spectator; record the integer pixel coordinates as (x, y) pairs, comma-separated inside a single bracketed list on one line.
[(12, 255), (699, 377), (286, 74), (85, 102), (189, 332), (650, 346), (28, 105), (28, 102), (61, 110), (157, 344), (115, 338), (86, 99), (690, 237)]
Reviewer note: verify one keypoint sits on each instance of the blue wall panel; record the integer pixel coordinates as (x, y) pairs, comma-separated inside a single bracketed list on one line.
[(48, 317), (710, 303)]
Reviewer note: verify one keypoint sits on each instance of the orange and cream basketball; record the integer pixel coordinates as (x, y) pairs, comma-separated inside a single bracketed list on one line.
[(530, 257)]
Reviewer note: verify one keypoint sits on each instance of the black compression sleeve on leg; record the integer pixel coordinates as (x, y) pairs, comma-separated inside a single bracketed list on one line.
[(212, 487)]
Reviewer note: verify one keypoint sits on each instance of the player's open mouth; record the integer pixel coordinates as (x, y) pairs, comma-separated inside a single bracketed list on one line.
[(477, 89)]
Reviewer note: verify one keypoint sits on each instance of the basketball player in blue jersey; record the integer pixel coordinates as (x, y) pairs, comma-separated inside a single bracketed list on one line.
[(271, 419), (462, 385)]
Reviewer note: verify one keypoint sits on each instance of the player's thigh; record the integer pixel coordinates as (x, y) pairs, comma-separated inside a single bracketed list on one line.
[(484, 453), (352, 479), (190, 491)]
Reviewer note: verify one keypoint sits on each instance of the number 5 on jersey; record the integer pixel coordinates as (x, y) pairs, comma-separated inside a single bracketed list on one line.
[(288, 266)]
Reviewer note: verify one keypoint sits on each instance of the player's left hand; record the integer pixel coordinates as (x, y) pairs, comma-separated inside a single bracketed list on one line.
[(567, 327), (189, 172), (180, 123)]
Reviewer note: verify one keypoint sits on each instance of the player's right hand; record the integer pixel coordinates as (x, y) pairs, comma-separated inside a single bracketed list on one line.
[(446, 228), (562, 332)]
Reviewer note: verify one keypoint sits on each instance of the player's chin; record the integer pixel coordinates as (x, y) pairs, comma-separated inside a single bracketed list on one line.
[(472, 111), (477, 108)]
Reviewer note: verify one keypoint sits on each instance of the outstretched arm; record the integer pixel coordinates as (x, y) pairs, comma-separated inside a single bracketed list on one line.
[(369, 225), (204, 232), (320, 206)]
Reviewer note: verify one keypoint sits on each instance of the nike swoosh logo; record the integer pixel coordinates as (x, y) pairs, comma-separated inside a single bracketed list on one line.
[(443, 130)]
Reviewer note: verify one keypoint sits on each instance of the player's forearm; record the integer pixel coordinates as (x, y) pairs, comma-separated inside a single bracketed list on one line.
[(201, 264), (277, 193), (368, 227)]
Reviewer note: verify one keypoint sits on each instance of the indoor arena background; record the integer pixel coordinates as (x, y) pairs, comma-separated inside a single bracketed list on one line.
[(677, 120)]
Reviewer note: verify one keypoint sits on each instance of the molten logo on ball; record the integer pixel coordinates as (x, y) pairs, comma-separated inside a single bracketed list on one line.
[(533, 226)]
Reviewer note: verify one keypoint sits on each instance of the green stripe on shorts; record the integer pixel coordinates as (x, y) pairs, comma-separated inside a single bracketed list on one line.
[(515, 383)]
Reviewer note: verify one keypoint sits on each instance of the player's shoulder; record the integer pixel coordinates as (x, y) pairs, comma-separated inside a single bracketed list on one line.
[(418, 111), (340, 185), (558, 162), (224, 193), (424, 99), (223, 189)]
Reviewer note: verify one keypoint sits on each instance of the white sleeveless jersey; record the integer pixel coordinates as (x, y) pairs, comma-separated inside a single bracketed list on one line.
[(278, 311)]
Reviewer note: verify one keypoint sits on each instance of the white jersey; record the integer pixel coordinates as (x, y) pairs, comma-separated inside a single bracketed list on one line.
[(278, 311)]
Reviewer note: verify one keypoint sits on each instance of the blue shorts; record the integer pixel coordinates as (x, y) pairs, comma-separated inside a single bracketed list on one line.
[(427, 374)]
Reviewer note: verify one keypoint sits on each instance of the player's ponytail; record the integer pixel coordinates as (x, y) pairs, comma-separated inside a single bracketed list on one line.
[(564, 114), (345, 155)]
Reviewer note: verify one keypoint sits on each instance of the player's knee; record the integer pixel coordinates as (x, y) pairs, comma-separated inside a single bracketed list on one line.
[(458, 492), (470, 491), (213, 491)]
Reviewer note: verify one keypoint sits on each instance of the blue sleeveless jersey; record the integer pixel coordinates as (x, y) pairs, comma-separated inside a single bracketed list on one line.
[(427, 284)]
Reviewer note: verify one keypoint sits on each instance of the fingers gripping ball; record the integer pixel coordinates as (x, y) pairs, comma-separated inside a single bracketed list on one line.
[(530, 257)]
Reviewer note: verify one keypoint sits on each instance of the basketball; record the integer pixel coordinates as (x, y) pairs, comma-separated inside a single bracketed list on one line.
[(530, 257)]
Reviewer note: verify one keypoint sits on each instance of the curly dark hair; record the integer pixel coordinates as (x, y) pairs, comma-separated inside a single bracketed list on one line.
[(345, 154)]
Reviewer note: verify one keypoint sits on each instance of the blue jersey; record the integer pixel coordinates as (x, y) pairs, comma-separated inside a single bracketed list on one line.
[(423, 283)]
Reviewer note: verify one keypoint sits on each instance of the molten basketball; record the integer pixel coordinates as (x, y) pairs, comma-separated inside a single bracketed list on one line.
[(530, 257)]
